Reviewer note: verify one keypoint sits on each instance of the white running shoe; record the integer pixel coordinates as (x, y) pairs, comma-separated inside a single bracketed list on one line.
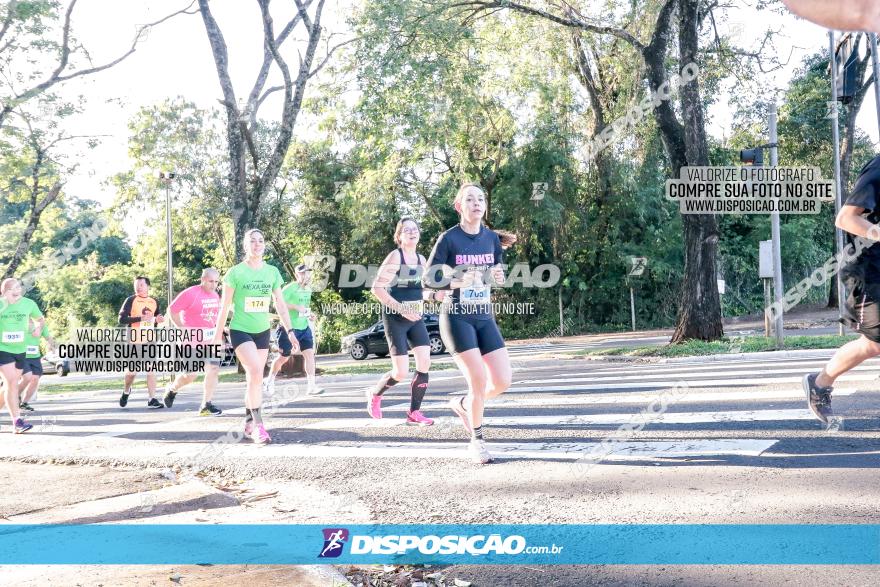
[(269, 387), (479, 451)]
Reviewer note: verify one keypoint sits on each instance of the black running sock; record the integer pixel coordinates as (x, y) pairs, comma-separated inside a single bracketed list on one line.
[(477, 434), (386, 383), (247, 415), (258, 419), (418, 387)]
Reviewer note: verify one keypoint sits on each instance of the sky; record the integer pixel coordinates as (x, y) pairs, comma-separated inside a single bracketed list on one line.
[(175, 60)]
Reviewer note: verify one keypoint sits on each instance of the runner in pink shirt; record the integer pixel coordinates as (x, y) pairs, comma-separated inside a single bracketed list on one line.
[(197, 307)]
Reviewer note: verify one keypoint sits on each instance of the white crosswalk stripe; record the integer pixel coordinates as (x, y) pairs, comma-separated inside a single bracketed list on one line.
[(733, 398), (631, 450), (585, 420), (627, 398)]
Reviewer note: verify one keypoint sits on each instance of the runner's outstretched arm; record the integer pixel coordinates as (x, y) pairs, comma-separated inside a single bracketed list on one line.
[(850, 219), (843, 15)]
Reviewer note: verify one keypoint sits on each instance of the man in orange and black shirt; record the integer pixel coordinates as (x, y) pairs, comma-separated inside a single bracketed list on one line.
[(140, 311)]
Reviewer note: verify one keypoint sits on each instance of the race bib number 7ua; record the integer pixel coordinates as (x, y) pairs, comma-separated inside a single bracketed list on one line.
[(256, 305), (33, 350), (11, 337)]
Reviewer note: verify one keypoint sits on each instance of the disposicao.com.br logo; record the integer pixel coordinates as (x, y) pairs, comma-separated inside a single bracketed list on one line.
[(334, 541), (393, 544)]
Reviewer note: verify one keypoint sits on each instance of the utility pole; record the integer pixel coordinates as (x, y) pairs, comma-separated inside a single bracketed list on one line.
[(775, 237), (166, 177)]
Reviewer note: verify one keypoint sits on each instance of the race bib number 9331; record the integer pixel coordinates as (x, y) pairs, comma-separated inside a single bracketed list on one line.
[(11, 337)]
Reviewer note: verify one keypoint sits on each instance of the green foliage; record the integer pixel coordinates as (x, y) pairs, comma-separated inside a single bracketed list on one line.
[(332, 327), (805, 140), (420, 102)]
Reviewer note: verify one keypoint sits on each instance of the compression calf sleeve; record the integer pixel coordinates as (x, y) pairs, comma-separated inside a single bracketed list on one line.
[(386, 383), (258, 418), (418, 387)]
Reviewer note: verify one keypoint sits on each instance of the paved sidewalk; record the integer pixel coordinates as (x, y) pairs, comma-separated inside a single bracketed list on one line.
[(59, 494)]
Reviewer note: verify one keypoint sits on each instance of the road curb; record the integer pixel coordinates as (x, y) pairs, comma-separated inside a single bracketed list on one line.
[(611, 358), (792, 354)]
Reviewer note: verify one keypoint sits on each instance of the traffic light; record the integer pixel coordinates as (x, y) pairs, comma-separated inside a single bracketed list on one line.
[(754, 157)]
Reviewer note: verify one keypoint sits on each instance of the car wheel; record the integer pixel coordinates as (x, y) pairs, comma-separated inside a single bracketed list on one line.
[(437, 345), (62, 369), (358, 351)]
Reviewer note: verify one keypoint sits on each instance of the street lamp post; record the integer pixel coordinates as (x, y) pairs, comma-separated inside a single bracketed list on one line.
[(166, 177)]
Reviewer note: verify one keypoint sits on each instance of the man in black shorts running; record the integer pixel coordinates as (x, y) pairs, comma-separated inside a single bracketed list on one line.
[(298, 296), (140, 311), (859, 217)]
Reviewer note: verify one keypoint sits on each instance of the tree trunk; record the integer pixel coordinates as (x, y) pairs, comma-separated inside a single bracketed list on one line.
[(23, 245), (37, 207), (700, 308), (602, 159), (247, 192), (699, 314), (242, 217)]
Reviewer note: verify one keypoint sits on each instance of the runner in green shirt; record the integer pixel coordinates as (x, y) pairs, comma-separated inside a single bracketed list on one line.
[(33, 366), (249, 287), (17, 315), (297, 295)]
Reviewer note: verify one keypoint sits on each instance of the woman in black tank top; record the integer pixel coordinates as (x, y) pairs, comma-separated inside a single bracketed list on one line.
[(398, 287)]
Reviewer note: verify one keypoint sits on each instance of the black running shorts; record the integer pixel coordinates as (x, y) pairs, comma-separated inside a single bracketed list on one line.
[(403, 334), (463, 332), (261, 339), (34, 366), (861, 310), (17, 358), (303, 337)]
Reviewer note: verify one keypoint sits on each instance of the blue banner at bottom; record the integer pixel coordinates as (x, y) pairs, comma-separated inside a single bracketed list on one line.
[(498, 544)]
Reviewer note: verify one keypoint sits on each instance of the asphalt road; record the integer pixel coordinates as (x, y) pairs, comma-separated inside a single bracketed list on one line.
[(733, 444)]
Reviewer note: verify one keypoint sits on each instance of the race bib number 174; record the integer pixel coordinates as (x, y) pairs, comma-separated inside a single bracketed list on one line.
[(254, 305)]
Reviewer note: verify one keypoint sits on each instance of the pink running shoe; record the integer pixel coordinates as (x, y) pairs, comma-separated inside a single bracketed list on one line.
[(374, 405), (457, 406), (260, 436), (417, 418)]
